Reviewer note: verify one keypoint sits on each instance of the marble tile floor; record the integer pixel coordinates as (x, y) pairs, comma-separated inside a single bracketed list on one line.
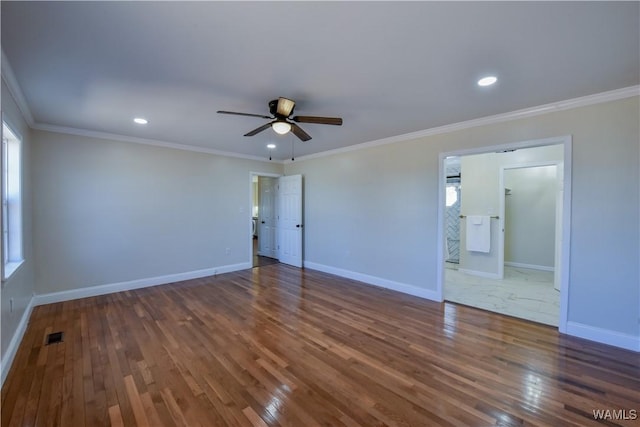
[(524, 293)]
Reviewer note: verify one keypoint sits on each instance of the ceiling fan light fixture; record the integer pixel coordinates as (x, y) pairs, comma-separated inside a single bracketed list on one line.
[(280, 127)]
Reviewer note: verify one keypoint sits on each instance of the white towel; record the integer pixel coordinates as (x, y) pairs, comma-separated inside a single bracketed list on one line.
[(479, 233)]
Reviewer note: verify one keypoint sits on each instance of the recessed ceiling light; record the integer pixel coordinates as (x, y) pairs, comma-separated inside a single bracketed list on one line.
[(487, 81), (140, 121), (271, 146)]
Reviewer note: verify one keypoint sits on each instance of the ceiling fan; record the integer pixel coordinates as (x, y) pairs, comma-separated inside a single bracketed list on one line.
[(281, 109)]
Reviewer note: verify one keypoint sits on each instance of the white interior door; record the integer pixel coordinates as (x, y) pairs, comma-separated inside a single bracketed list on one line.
[(267, 217), (289, 226)]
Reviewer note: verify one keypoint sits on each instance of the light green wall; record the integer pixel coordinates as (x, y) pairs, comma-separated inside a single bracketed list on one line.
[(374, 211), (110, 212), (530, 215)]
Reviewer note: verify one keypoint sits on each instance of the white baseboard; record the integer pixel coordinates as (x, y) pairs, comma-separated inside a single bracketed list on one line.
[(12, 348), (93, 291), (530, 266), (375, 281), (604, 336), (480, 273)]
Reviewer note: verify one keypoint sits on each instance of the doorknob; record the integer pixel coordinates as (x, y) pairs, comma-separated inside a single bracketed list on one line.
[(263, 222), (298, 225)]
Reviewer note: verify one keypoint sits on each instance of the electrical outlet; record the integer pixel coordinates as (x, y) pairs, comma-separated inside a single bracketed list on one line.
[(227, 251)]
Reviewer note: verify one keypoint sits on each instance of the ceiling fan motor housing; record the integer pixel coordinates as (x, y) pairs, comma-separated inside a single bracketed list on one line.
[(273, 109)]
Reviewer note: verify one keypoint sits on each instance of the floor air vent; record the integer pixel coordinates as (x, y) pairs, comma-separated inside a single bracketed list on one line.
[(55, 337)]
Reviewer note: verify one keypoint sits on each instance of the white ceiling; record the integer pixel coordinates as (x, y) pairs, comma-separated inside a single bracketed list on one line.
[(386, 68)]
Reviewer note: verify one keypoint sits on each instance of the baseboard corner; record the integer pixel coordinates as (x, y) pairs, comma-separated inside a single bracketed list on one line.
[(92, 291), (603, 336), (14, 344)]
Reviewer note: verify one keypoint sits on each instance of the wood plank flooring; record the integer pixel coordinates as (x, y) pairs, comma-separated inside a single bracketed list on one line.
[(279, 346)]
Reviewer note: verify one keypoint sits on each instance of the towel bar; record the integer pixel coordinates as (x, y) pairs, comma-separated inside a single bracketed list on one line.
[(494, 216)]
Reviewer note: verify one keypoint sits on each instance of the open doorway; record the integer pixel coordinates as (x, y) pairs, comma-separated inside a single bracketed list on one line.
[(276, 227), (263, 220), (516, 194)]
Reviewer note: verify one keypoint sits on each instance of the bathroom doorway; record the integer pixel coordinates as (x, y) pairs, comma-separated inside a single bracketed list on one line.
[(522, 275)]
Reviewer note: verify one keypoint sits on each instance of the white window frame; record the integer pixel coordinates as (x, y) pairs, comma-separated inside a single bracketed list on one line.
[(12, 230)]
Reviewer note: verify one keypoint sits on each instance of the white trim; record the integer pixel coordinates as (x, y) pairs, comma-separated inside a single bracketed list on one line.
[(15, 230), (613, 95), (14, 89), (375, 281), (11, 268), (604, 336), (93, 291), (8, 120), (478, 273), (583, 101), (529, 266), (12, 348), (145, 141), (440, 223), (565, 256), (530, 143)]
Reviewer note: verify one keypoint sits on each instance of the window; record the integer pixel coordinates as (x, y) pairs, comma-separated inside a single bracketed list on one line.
[(11, 203), (452, 194)]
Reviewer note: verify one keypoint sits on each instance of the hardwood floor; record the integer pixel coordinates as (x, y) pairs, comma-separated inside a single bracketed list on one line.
[(279, 346), (261, 261)]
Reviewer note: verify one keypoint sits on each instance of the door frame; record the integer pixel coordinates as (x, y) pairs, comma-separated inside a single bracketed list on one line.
[(566, 142), (249, 238)]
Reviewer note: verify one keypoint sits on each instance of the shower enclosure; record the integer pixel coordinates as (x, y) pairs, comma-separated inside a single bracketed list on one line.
[(452, 211)]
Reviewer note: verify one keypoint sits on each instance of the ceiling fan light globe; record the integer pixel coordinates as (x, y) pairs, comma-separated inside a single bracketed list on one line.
[(281, 128)]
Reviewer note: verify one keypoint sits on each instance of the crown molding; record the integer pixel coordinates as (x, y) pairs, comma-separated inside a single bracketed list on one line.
[(14, 89), (145, 141), (582, 101)]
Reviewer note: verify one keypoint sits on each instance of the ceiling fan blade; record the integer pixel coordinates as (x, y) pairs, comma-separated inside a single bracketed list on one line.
[(258, 130), (297, 131), (337, 121), (285, 106), (245, 114)]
